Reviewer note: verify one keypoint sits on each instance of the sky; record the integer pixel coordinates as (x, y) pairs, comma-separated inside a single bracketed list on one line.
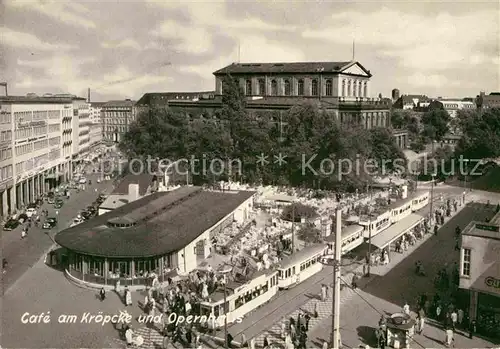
[(123, 49)]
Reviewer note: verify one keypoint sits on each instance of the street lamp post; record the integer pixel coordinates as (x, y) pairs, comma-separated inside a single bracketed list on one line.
[(431, 214), (335, 262), (466, 161), (224, 271), (369, 240), (293, 228)]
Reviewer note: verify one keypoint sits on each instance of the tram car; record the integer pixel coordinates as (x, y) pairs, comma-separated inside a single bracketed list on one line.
[(352, 237), (420, 200), (242, 297), (375, 224), (300, 265)]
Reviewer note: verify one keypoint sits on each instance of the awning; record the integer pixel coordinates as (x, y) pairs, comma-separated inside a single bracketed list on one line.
[(396, 230)]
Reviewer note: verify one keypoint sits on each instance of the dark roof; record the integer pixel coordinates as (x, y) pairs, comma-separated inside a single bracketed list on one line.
[(97, 104), (124, 103), (151, 97), (302, 255), (163, 222), (144, 180), (296, 67), (35, 99), (483, 230)]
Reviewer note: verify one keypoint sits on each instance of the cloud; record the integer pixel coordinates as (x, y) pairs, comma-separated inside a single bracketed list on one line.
[(126, 43), (66, 73), (430, 41), (25, 40), (62, 10), (255, 49), (191, 39), (437, 81)]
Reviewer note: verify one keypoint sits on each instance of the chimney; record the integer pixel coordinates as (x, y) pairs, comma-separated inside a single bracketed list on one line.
[(133, 192), (88, 95)]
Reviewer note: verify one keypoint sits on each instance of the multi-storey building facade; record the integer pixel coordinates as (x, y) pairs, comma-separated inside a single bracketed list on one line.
[(480, 274), (452, 106), (117, 117), (38, 163), (95, 112), (81, 128), (340, 88), (96, 128), (484, 101), (7, 199)]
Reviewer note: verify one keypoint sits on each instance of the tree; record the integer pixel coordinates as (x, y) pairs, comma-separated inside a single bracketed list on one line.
[(309, 234), (299, 212), (400, 118), (385, 151), (481, 135), (435, 124)]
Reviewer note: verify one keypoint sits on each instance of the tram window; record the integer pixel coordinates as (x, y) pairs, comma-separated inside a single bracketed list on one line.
[(313, 261), (280, 273), (216, 311), (265, 288), (248, 297), (239, 302), (293, 270)]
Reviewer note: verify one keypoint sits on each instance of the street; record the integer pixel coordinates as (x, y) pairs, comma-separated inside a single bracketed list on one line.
[(388, 293), (21, 254)]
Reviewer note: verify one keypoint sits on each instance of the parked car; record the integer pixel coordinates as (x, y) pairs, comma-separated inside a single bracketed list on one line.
[(39, 202), (11, 224), (22, 218), (58, 204), (76, 221), (82, 180), (86, 215), (51, 200), (92, 209), (49, 223), (32, 205), (30, 212)]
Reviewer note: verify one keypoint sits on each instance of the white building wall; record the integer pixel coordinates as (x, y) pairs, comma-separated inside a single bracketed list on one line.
[(7, 194), (37, 148)]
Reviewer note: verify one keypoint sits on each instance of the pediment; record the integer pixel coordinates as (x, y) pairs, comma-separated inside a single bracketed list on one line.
[(355, 69)]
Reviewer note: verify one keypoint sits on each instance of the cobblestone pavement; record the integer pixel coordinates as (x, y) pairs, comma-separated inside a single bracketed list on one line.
[(389, 290)]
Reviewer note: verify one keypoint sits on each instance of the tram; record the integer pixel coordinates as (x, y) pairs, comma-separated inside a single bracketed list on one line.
[(375, 224), (300, 265), (352, 237), (241, 297), (420, 201)]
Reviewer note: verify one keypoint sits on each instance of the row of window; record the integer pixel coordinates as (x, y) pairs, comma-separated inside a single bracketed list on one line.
[(350, 88), (41, 160), (6, 173), (116, 128), (54, 141), (5, 154), (309, 263), (466, 261), (39, 130), (84, 132), (41, 144), (54, 128), (6, 135), (250, 295), (24, 149), (119, 121), (5, 117), (54, 154), (401, 210)]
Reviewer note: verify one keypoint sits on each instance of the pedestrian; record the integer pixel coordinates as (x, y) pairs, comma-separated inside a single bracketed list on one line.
[(166, 342), (406, 309), (449, 337), (436, 229), (266, 342), (102, 294), (23, 234), (283, 329), (454, 319), (354, 282), (325, 345), (308, 318), (128, 297), (57, 212), (323, 293), (315, 310)]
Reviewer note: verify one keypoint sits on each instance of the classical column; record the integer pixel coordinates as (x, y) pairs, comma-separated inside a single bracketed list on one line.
[(31, 189), (105, 271), (4, 203), (36, 182), (13, 196), (24, 194)]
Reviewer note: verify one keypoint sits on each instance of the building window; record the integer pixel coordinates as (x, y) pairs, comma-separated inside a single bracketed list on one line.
[(329, 87), (288, 89), (300, 87), (349, 88), (365, 88), (248, 88), (343, 88), (274, 88), (466, 262), (262, 87), (314, 87), (360, 89)]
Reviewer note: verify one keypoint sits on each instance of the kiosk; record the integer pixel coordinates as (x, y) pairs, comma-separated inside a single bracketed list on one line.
[(400, 330)]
